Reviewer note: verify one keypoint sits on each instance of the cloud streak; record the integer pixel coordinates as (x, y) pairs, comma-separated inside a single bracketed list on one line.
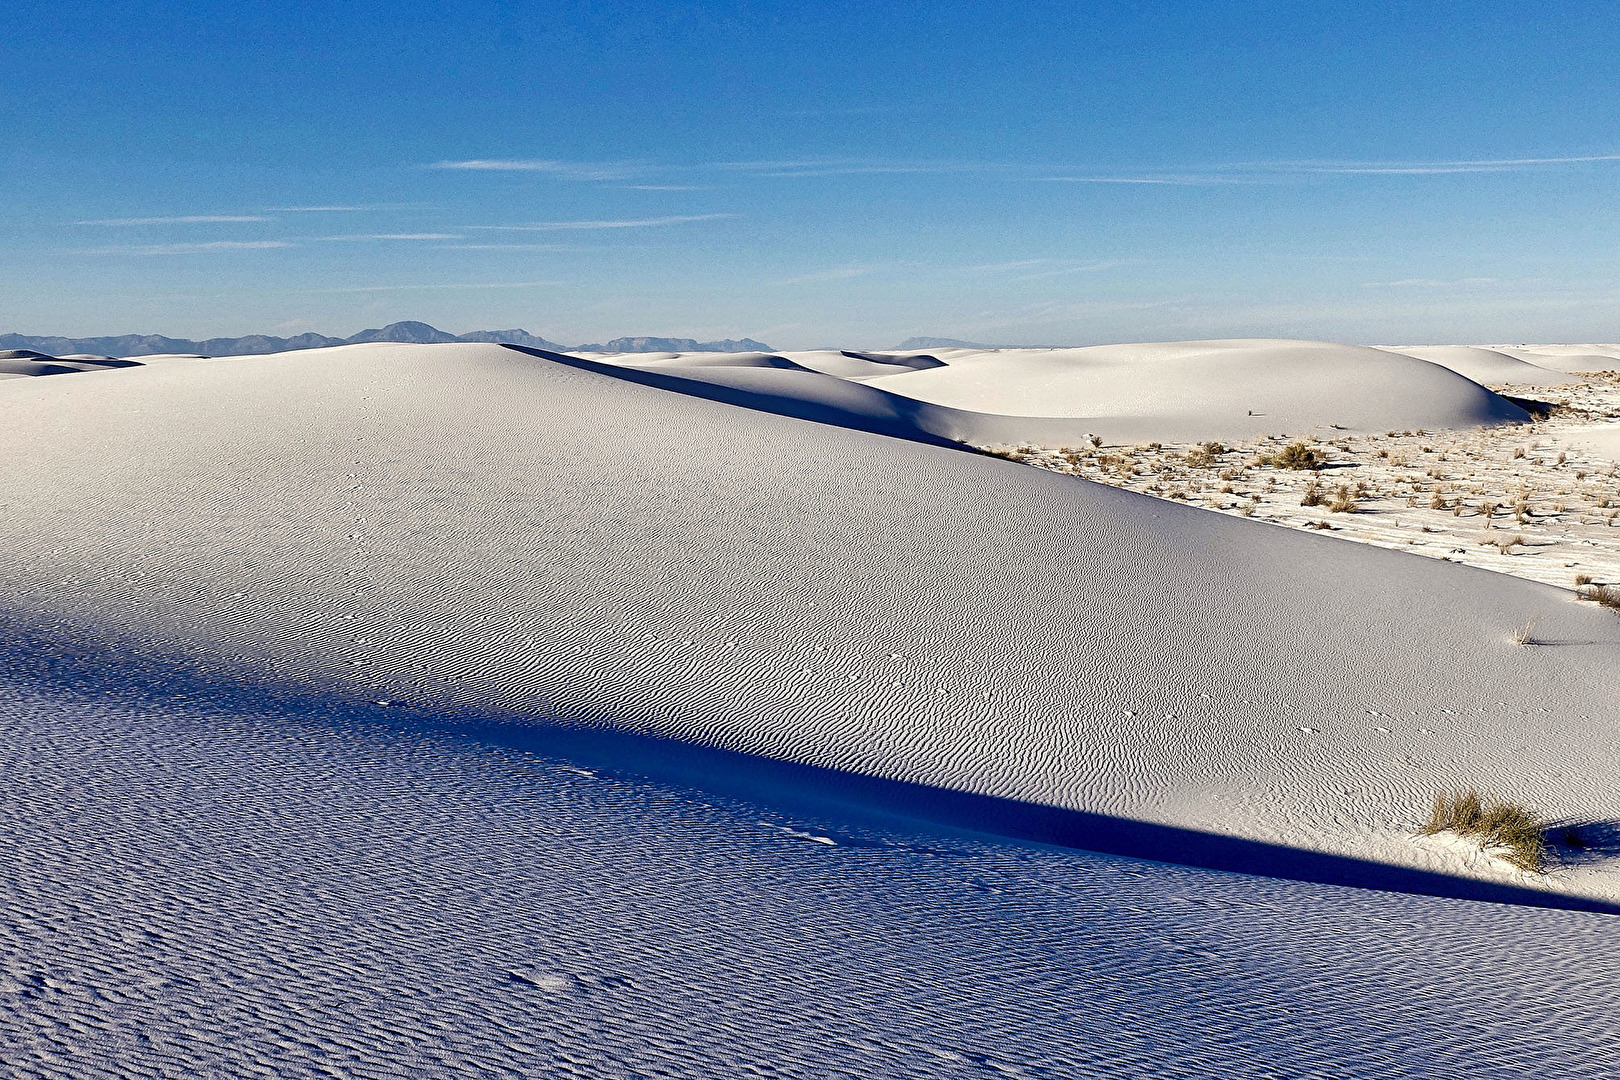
[(320, 209), (567, 170), (214, 246), (822, 276), (625, 223), (1433, 168), (1152, 181), (445, 285), (393, 236), (187, 219), (1230, 173)]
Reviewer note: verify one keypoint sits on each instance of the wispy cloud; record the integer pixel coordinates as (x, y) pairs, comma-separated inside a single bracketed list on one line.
[(1018, 264), (1165, 180), (849, 167), (1431, 168), (443, 285), (506, 247), (568, 170), (189, 249), (393, 236), (1191, 175), (1071, 268), (841, 274), (626, 223), (1034, 269), (1430, 283), (319, 209), (186, 219)]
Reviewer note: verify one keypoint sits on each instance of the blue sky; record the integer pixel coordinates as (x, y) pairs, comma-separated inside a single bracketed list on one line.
[(814, 174)]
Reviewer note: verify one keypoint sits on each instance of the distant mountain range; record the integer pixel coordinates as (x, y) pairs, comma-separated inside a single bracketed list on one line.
[(410, 332)]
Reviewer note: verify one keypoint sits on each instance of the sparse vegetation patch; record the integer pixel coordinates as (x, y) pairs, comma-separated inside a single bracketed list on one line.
[(1517, 833), (1296, 455)]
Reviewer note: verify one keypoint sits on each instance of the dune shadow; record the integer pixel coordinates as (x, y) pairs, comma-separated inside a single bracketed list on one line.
[(69, 665), (906, 423), (833, 792), (1584, 843)]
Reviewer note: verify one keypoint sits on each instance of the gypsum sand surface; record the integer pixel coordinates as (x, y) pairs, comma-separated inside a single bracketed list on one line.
[(229, 856), (1539, 500), (472, 525)]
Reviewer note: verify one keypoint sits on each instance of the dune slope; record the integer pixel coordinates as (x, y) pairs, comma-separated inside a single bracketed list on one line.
[(471, 527), (1487, 366), (1178, 391)]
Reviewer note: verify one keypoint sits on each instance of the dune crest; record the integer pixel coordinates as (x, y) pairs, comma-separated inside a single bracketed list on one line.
[(1169, 391)]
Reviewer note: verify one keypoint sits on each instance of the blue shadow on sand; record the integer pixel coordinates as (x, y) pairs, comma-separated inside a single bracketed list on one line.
[(73, 666)]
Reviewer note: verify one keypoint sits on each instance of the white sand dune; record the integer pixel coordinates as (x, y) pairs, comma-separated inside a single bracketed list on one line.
[(791, 389), (1487, 366), (1179, 391), (697, 361), (1570, 358), (373, 711), (865, 365), (25, 363), (206, 885), (474, 527)]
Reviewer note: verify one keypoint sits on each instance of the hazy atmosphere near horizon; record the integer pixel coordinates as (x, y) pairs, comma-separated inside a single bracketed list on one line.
[(837, 173)]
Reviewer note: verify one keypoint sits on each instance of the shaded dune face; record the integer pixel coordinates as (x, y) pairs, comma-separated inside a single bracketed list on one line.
[(470, 527), (1176, 391), (1226, 386), (16, 363)]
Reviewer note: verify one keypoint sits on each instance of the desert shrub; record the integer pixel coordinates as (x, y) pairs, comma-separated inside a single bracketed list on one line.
[(1494, 823), (1343, 501), (1204, 455), (1297, 455), (1582, 579), (1607, 595), (1313, 494)]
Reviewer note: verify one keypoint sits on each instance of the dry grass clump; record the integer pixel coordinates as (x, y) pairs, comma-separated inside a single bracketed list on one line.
[(1504, 544), (1343, 501), (1296, 455), (1312, 495), (1607, 595), (1204, 455), (1513, 827)]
